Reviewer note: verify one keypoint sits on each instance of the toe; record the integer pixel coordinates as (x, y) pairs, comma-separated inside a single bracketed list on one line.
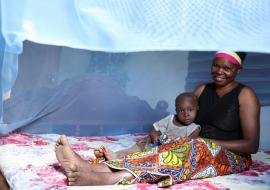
[(58, 141), (74, 168), (105, 148), (71, 179), (71, 174), (64, 140), (71, 183)]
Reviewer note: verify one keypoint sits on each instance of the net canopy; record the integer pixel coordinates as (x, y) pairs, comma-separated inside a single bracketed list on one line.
[(113, 66)]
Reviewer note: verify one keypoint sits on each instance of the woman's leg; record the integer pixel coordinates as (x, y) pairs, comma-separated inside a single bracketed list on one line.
[(80, 172), (182, 160), (69, 159), (77, 177)]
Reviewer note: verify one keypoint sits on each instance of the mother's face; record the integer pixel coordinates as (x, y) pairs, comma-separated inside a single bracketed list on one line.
[(223, 71)]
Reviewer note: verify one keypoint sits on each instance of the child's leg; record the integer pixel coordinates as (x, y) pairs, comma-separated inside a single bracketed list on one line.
[(122, 153), (139, 146), (106, 153)]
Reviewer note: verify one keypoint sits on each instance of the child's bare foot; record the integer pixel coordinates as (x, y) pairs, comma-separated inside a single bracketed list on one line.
[(142, 144), (105, 152), (99, 152)]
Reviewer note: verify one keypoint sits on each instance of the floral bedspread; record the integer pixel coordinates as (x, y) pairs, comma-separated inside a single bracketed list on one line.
[(28, 162)]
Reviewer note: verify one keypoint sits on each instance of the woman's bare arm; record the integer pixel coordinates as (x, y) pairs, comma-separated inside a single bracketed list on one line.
[(250, 122), (199, 89)]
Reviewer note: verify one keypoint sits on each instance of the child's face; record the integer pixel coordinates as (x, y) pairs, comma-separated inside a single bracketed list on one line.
[(186, 110)]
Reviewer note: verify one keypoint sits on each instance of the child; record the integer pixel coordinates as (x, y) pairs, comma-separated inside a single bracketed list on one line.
[(167, 130)]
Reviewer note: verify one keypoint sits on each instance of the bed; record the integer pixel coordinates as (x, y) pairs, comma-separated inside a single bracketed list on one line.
[(27, 161)]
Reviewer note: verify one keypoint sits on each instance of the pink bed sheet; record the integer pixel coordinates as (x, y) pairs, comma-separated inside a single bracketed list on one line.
[(28, 162)]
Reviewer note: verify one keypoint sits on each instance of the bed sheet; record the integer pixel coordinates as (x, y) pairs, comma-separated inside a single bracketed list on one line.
[(28, 161)]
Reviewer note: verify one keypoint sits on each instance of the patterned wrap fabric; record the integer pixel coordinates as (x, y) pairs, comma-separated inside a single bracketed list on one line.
[(179, 161)]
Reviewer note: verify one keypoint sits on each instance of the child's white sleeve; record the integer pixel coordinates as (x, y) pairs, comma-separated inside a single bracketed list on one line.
[(162, 124), (192, 127)]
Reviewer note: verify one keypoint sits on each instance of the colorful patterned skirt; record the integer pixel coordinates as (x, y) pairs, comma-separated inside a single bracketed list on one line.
[(179, 161)]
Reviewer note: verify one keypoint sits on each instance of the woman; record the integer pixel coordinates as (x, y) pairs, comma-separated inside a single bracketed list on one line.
[(229, 111), (229, 117)]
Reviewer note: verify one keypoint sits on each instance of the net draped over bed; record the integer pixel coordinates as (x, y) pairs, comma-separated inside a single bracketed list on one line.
[(66, 83), (95, 70)]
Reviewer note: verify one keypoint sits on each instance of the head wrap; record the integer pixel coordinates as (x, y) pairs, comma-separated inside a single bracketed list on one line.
[(236, 58)]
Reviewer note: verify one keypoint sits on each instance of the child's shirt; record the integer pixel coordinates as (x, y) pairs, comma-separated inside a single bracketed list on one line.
[(167, 127)]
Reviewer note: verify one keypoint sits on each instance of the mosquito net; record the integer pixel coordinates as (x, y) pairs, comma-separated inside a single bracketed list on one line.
[(112, 67)]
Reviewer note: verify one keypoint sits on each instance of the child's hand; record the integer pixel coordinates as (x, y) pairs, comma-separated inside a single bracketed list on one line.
[(187, 139), (154, 136), (171, 138), (143, 143)]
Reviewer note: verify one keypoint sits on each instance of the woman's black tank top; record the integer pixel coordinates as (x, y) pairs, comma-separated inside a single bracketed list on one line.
[(219, 116)]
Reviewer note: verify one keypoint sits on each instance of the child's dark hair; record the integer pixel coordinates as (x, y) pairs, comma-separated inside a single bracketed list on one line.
[(185, 94)]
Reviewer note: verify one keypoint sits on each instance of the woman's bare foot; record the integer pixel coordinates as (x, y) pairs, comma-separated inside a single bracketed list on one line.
[(65, 154), (68, 158), (77, 177), (80, 172)]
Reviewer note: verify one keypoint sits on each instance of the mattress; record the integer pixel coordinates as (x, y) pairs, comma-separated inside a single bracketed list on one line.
[(27, 161)]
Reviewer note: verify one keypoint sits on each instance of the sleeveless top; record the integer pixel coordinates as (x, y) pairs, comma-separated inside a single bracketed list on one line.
[(219, 116)]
